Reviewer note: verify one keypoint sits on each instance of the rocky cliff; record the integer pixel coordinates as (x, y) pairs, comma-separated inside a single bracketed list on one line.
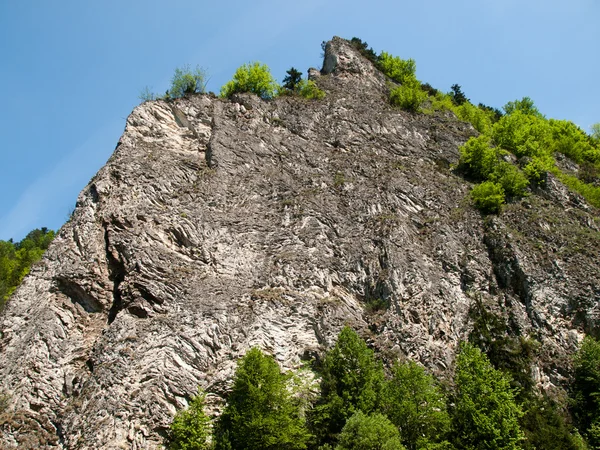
[(218, 225)]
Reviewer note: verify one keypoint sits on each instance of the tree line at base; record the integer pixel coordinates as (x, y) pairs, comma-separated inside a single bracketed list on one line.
[(359, 405)]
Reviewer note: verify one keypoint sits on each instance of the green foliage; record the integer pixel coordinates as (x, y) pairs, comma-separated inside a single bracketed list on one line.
[(572, 141), (190, 428), (525, 106), (512, 180), (308, 89), (408, 96), (494, 113), (400, 70), (589, 191), (253, 77), (457, 95), (372, 432), (510, 354), (586, 385), (146, 95), (523, 134), (479, 118), (537, 168), (488, 197), (364, 49), (16, 259), (414, 403), (261, 412), (478, 159), (186, 81), (351, 381), (595, 132), (545, 427), (485, 414), (292, 79)]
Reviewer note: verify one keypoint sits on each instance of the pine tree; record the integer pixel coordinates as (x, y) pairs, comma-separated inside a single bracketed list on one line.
[(292, 80)]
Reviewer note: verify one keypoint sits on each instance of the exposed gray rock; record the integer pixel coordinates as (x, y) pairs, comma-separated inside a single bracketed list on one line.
[(221, 225)]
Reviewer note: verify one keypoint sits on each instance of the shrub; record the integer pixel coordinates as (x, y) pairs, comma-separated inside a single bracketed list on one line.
[(373, 432), (186, 82), (488, 197), (595, 132), (308, 89), (536, 169), (415, 404), (190, 427), (400, 70), (261, 412), (480, 119), (571, 141), (146, 95), (409, 96), (477, 158), (494, 113), (252, 77), (512, 180), (523, 134), (485, 412)]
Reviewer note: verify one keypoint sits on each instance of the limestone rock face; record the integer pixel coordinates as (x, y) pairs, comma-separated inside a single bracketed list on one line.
[(218, 225)]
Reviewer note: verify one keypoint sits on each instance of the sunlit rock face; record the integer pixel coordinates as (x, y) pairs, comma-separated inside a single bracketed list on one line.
[(218, 225)]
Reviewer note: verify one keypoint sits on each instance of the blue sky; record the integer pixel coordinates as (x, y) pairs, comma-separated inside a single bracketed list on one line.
[(72, 70)]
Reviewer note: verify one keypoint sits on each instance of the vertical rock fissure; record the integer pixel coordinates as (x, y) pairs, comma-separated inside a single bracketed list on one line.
[(116, 271)]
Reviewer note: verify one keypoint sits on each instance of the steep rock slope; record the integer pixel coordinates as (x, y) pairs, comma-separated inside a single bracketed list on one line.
[(221, 225)]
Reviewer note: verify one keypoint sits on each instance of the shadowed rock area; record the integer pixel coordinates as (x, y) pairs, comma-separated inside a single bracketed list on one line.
[(218, 225)]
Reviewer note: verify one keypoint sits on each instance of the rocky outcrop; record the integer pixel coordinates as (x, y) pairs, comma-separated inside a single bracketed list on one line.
[(218, 225)]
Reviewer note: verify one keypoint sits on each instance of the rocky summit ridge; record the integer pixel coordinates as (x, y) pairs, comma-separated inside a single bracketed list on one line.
[(218, 225)]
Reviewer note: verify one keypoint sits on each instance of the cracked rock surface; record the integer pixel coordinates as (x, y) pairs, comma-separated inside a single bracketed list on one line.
[(218, 225)]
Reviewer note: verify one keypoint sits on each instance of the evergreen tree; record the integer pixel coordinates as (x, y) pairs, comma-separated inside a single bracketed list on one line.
[(416, 405), (190, 427), (261, 413), (351, 381), (586, 386), (485, 414), (457, 95), (292, 80)]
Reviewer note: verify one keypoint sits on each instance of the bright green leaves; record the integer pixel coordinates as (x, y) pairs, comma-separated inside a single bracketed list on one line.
[(261, 412), (372, 432), (16, 259), (400, 70), (190, 428), (488, 197), (485, 414), (408, 96), (253, 77)]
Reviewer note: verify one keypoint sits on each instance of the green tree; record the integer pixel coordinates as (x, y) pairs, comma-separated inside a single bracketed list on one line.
[(400, 70), (478, 158), (457, 95), (351, 381), (414, 403), (586, 384), (369, 432), (253, 77), (186, 81), (190, 428), (595, 132), (292, 79), (525, 105), (17, 259), (485, 414), (261, 412), (409, 96)]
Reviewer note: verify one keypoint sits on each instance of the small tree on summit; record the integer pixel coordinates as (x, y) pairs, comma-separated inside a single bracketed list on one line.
[(292, 80), (187, 82), (457, 95)]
